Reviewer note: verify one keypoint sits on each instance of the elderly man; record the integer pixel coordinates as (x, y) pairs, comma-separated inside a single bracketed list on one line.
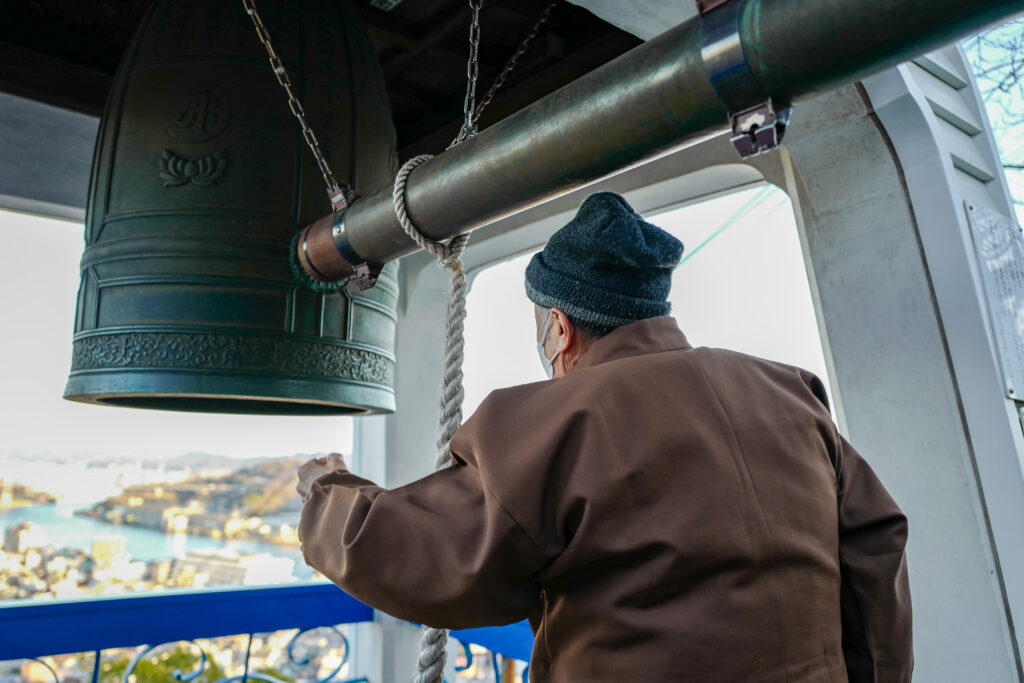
[(658, 512)]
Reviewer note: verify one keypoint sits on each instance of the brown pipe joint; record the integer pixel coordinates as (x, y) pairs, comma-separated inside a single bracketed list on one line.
[(319, 254)]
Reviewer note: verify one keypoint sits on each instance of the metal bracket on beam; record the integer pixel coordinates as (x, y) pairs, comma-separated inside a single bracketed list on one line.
[(366, 273), (758, 122), (759, 128), (341, 195)]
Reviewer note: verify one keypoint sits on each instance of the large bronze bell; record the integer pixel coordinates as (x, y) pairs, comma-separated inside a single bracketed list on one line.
[(200, 179)]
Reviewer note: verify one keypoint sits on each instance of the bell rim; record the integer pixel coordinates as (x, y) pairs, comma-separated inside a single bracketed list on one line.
[(172, 390)]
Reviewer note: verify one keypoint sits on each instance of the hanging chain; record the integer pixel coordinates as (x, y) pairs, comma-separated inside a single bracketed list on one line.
[(339, 194), (513, 60), (468, 129)]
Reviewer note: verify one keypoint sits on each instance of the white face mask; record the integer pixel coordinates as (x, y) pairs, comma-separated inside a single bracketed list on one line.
[(548, 363)]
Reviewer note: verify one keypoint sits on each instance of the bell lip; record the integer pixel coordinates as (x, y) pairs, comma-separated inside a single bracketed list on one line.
[(149, 390)]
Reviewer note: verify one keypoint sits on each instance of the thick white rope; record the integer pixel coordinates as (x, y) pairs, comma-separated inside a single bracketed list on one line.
[(433, 644)]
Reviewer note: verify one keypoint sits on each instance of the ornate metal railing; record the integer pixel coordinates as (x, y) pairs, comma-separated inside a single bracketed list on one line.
[(296, 663), (275, 634)]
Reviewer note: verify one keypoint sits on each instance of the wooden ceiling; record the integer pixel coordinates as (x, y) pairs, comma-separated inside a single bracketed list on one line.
[(65, 52)]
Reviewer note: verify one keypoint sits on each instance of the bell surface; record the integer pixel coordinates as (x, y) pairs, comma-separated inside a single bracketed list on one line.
[(200, 179)]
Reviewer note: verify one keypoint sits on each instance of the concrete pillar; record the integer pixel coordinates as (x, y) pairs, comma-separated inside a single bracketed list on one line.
[(902, 404), (933, 114)]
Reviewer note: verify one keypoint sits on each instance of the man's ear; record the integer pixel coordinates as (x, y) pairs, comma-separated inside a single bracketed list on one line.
[(566, 330)]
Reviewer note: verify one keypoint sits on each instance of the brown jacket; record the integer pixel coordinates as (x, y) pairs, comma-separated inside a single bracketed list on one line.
[(662, 513)]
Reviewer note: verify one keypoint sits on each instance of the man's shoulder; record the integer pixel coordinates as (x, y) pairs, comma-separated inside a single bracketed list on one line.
[(549, 404), (733, 366), (578, 386), (741, 360), (521, 397)]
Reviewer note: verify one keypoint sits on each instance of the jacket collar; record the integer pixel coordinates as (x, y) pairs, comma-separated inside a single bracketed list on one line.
[(651, 335)]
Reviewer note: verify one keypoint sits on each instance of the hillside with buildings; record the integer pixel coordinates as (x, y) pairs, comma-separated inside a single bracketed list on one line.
[(253, 502), (15, 495), (248, 502), (32, 568)]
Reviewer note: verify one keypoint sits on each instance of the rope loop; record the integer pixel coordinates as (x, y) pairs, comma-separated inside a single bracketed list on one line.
[(447, 253)]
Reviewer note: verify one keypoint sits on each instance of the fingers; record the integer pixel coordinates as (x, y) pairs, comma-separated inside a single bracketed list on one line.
[(332, 460), (308, 468), (316, 468)]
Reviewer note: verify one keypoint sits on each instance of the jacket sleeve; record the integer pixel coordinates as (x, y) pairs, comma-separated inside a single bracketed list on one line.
[(441, 551), (875, 591)]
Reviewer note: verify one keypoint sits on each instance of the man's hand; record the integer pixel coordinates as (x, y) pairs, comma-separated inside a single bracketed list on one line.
[(316, 468)]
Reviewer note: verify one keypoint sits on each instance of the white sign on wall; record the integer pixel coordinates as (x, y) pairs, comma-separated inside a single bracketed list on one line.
[(999, 246)]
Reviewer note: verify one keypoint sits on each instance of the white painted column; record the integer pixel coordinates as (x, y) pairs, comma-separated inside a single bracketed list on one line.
[(934, 115), (893, 356), (368, 641)]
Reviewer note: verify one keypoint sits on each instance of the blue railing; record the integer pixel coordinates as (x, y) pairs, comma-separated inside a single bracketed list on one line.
[(514, 641), (37, 629)]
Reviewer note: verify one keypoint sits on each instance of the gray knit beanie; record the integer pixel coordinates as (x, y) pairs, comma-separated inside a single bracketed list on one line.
[(607, 267)]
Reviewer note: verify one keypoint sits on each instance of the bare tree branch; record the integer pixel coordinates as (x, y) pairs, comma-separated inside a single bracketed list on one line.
[(997, 60)]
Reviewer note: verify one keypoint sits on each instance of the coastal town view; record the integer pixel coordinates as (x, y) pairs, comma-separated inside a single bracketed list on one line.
[(189, 522)]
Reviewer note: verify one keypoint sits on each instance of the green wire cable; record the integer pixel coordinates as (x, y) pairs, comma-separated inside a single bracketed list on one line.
[(742, 212)]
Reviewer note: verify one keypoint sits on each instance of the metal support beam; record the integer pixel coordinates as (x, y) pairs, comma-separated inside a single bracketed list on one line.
[(652, 100), (386, 27), (37, 76)]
